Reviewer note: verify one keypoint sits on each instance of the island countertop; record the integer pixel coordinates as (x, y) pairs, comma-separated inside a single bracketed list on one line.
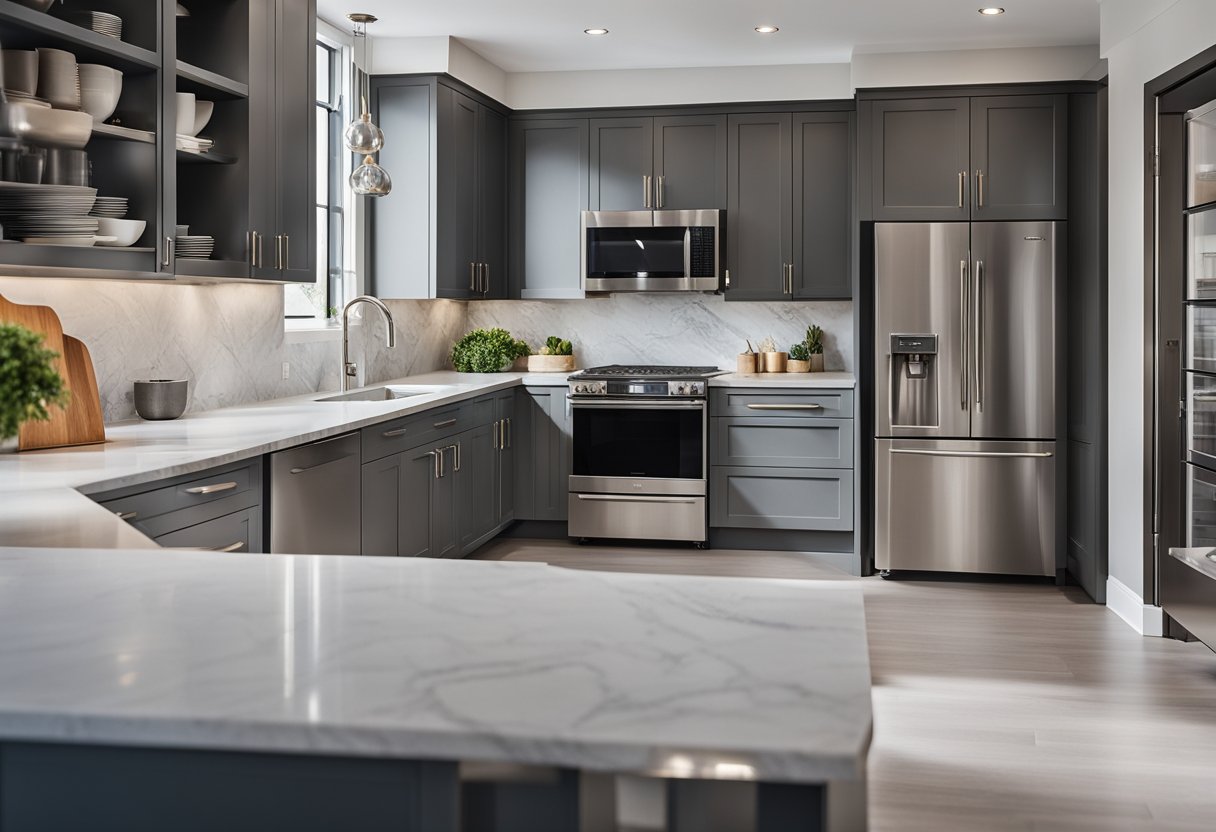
[(667, 676)]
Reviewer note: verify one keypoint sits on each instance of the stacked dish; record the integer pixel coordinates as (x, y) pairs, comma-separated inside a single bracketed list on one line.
[(52, 229), (195, 247), (18, 199), (103, 23), (110, 207), (58, 79)]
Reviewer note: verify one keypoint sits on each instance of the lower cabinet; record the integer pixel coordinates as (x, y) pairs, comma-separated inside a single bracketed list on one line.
[(543, 458), (237, 532), (504, 445), (476, 481), (803, 499)]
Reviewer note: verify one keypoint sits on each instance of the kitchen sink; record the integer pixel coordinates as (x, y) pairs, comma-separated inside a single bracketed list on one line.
[(383, 394)]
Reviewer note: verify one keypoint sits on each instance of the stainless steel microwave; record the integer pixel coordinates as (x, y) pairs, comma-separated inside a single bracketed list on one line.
[(653, 251)]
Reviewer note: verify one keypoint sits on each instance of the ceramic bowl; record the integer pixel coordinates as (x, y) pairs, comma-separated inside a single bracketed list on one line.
[(202, 115), (45, 126), (125, 232), (58, 80), (186, 105), (21, 71), (100, 89)]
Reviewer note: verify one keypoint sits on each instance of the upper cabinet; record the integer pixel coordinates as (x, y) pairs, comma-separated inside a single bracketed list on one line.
[(790, 215), (673, 163), (193, 114), (443, 236), (945, 159)]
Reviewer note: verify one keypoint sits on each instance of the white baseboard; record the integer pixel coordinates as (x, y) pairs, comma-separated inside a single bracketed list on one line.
[(1145, 619)]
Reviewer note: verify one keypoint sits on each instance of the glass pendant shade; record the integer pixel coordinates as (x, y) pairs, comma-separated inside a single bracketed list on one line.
[(369, 179), (362, 136)]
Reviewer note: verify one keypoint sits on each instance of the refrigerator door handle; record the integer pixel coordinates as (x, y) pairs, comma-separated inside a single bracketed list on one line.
[(979, 336), (978, 454), (964, 306)]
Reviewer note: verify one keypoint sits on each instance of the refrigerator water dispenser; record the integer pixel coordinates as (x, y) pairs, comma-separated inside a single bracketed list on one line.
[(914, 381)]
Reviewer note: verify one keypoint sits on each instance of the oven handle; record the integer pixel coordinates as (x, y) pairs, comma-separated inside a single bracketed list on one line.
[(637, 404), (634, 498)]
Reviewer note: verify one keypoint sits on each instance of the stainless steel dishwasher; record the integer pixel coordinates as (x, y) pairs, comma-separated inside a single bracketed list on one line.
[(315, 498)]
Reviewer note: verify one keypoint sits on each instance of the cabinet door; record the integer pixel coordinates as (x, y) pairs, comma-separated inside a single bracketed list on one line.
[(542, 461), (457, 196), (295, 148), (504, 413), (690, 162), (621, 156), (445, 533), (921, 159), (758, 214), (823, 205), (804, 499), (549, 170), (492, 200), (237, 532), (476, 486), (398, 504), (1019, 156)]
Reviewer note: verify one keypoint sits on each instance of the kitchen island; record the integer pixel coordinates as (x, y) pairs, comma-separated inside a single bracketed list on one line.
[(185, 690)]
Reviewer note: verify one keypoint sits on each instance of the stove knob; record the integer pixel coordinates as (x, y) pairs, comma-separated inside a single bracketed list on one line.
[(580, 388)]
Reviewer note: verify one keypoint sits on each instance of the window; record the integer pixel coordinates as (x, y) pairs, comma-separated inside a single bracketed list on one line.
[(319, 301)]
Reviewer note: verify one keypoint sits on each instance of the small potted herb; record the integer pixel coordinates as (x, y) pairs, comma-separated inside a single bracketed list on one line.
[(814, 346), (556, 356), (30, 384), (800, 359), (487, 351)]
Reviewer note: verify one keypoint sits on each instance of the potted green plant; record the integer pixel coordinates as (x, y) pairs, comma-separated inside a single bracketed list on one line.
[(556, 356), (487, 351), (30, 384), (800, 359), (814, 346)]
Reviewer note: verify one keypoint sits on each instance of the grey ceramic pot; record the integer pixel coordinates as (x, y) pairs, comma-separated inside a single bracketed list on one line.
[(160, 399)]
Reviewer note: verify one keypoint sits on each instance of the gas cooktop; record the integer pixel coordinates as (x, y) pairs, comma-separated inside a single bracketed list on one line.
[(649, 382), (614, 371)]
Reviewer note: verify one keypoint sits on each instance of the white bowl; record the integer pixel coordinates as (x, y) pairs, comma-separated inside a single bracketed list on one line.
[(202, 115), (100, 89), (43, 125), (185, 113), (124, 232)]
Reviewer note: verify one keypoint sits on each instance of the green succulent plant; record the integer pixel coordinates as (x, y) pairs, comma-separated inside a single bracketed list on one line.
[(29, 383), (556, 346), (814, 340), (800, 352)]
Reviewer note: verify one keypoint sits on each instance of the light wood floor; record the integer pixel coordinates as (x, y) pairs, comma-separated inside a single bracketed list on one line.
[(1000, 706)]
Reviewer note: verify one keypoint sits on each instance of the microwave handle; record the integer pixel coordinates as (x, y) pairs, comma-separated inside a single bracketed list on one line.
[(688, 252)]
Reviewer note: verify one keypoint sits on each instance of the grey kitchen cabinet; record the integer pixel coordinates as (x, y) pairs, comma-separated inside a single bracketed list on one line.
[(409, 504), (240, 531), (790, 214), (798, 499), (442, 232), (295, 140), (542, 437), (958, 159), (621, 164), (758, 223), (223, 502), (920, 159), (504, 444), (476, 480), (671, 162), (775, 442), (550, 170), (1019, 155), (770, 401)]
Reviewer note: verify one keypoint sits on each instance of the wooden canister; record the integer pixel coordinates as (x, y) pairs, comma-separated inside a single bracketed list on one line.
[(746, 364), (774, 362)]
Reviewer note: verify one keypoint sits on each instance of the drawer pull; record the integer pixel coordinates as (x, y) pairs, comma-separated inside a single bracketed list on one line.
[(231, 547), (978, 454), (445, 424), (392, 434), (785, 407), (633, 498), (127, 515), (212, 489)]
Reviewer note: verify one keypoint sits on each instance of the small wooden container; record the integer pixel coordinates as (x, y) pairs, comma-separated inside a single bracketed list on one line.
[(817, 363), (774, 362), (746, 364), (796, 366), (550, 363)]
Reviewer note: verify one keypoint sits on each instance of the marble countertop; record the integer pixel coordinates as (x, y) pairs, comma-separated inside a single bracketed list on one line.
[(1201, 560), (787, 380), (40, 491), (424, 659)]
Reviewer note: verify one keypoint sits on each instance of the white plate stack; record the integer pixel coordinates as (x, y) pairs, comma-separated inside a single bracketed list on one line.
[(52, 230), (110, 207), (195, 247), (19, 199), (103, 23)]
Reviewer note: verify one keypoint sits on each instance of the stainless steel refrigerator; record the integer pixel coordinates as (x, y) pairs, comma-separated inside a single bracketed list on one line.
[(966, 425)]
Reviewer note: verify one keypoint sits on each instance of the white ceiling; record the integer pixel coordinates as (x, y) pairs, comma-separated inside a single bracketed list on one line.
[(545, 35)]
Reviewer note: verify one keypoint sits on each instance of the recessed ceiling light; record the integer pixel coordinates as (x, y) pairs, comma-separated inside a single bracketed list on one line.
[(992, 10), (767, 30), (596, 31)]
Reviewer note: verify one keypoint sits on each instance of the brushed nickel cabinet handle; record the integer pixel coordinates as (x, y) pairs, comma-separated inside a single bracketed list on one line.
[(445, 424), (231, 547), (728, 280), (278, 251), (662, 184), (645, 191), (964, 303), (496, 429), (472, 277), (962, 189), (212, 489), (510, 434), (485, 276), (127, 515), (249, 244), (798, 406), (979, 187), (456, 457), (979, 336), (393, 434), (168, 259), (286, 251)]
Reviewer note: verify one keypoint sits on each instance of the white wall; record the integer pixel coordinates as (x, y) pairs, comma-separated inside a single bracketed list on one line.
[(1145, 42), (973, 66), (392, 56)]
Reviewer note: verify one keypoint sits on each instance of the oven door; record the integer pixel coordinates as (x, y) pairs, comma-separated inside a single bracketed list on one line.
[(640, 446)]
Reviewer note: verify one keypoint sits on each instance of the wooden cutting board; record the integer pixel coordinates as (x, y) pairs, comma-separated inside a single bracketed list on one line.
[(80, 423)]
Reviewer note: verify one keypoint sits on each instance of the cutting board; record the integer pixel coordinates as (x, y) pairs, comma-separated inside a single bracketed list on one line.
[(80, 423)]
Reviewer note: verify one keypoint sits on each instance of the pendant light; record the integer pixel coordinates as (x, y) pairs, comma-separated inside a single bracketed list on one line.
[(362, 136)]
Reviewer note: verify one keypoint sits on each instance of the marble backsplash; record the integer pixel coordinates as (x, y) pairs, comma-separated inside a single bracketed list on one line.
[(670, 329)]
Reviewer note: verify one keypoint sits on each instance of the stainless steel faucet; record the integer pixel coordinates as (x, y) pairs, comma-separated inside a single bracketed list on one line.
[(349, 368)]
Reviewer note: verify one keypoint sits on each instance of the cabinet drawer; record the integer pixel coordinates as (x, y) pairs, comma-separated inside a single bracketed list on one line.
[(803, 499), (237, 486), (238, 532), (424, 428), (787, 403), (782, 443)]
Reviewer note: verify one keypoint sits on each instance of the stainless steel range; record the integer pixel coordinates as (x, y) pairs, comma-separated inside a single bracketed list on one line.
[(640, 453)]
